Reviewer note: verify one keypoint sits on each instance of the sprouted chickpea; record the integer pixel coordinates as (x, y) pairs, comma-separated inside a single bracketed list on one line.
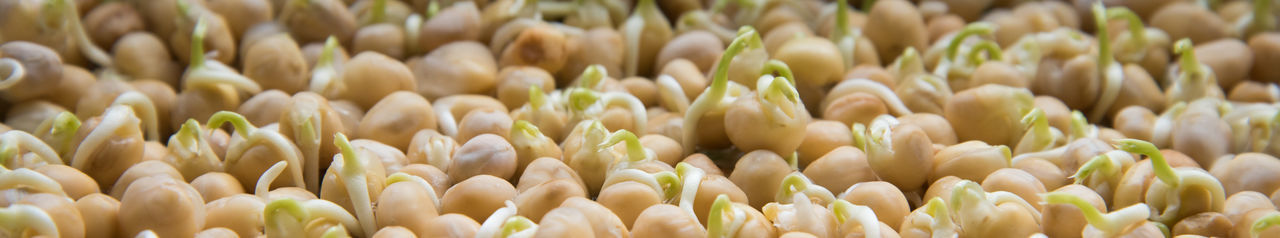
[(245, 162), (185, 216), (402, 203), (800, 207), (998, 213), (776, 114), (1127, 221), (890, 146), (109, 145), (716, 98), (1174, 186)]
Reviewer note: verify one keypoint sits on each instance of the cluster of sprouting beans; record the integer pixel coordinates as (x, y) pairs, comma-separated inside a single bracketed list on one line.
[(639, 118)]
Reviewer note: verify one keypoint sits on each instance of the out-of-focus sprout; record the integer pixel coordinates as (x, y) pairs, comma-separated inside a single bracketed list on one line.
[(956, 70), (645, 31), (1194, 79), (921, 90), (1139, 45), (1109, 70), (1258, 21)]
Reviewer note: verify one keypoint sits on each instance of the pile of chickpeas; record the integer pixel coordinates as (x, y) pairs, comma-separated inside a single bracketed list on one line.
[(639, 118)]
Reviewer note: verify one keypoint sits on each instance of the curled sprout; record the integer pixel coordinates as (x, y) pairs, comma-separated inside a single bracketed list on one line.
[(976, 208), (862, 85), (799, 215), (59, 133), (992, 50), (635, 154), (939, 217), (13, 142), (1111, 224), (771, 66), (691, 179), (1164, 193), (426, 187), (1080, 127), (779, 99), (592, 77), (14, 73), (664, 183), (722, 209), (1134, 43), (847, 213), (269, 176), (252, 136), (325, 76), (1111, 72), (589, 104), (190, 151), (973, 29), (492, 226), (335, 232), (1263, 224), (797, 183), (204, 73), (518, 226), (69, 20), (146, 110), (956, 70), (353, 176), (1251, 126), (1194, 80), (671, 94), (285, 218), (20, 220), (29, 179), (114, 118), (1039, 136), (714, 96), (1260, 20)]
